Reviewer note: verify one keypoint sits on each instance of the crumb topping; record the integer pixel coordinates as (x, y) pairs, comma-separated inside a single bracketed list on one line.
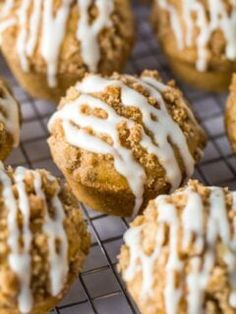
[(190, 237), (208, 27), (144, 122), (38, 221), (88, 32)]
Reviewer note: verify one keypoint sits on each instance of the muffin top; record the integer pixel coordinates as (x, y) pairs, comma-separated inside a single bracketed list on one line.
[(65, 35), (207, 26), (9, 113), (180, 256), (43, 239), (142, 127)]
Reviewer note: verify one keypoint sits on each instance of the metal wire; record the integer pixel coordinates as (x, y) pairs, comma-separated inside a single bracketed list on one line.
[(99, 288)]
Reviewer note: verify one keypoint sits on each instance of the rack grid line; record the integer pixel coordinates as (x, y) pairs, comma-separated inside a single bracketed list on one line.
[(99, 288)]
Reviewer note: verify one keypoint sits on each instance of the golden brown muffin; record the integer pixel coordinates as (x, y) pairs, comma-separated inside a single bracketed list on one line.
[(180, 256), (122, 140), (43, 241), (230, 114), (198, 38), (9, 121), (49, 45)]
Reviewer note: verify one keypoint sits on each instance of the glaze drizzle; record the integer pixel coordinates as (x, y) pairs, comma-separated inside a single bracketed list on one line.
[(49, 30), (218, 19), (158, 121), (88, 33), (20, 256), (204, 238)]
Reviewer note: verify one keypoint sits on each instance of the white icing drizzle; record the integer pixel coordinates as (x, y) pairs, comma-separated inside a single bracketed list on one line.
[(163, 129), (54, 229), (190, 224), (218, 19), (20, 257), (10, 115), (34, 27), (22, 37), (53, 33), (21, 262), (5, 10), (54, 26), (174, 20), (123, 158), (88, 32)]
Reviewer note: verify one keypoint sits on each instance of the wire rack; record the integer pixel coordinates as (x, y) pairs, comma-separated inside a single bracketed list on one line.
[(99, 289)]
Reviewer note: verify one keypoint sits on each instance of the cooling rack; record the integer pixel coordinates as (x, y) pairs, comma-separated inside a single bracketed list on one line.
[(99, 289)]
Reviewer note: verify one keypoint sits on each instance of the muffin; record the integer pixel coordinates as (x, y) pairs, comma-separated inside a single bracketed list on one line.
[(198, 38), (230, 113), (50, 45), (180, 256), (9, 121), (43, 241), (122, 140)]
